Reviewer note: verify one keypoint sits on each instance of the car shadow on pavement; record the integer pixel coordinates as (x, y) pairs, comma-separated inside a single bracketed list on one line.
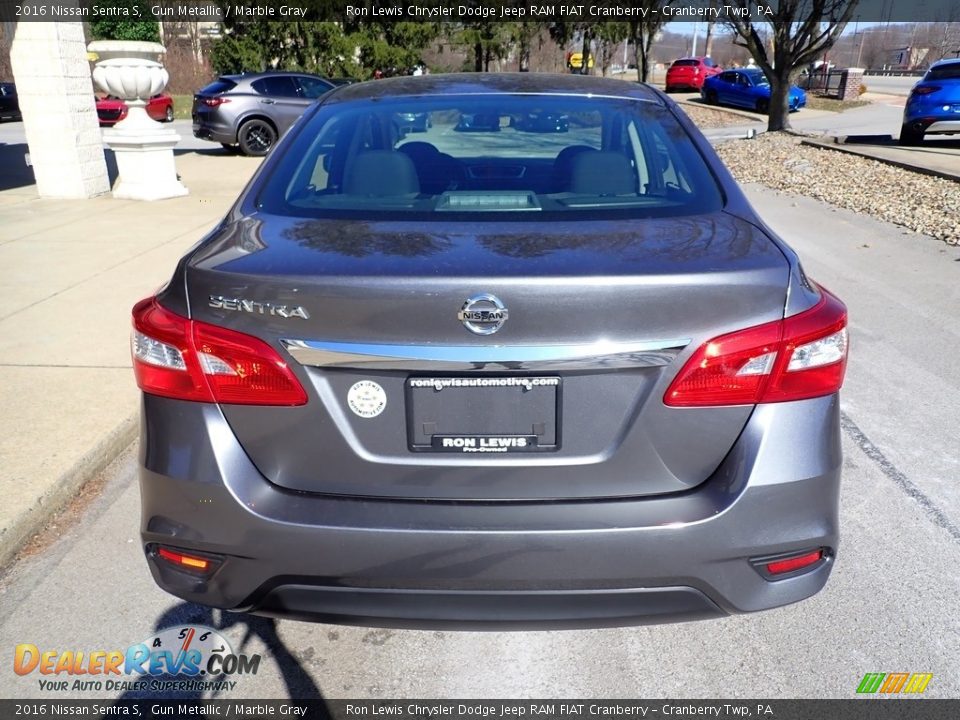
[(297, 681), (210, 152), (14, 171), (928, 145)]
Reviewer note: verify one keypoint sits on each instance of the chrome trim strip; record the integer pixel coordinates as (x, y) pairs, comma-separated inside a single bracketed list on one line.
[(593, 356)]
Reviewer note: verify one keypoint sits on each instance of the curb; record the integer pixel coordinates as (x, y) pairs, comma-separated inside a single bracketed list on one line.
[(836, 147), (63, 490)]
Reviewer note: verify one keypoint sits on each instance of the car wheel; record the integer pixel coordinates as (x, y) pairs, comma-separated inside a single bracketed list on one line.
[(763, 106), (169, 116), (910, 137), (712, 98), (256, 137)]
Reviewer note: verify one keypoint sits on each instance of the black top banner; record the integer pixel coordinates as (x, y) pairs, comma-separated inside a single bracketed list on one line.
[(615, 709), (464, 10)]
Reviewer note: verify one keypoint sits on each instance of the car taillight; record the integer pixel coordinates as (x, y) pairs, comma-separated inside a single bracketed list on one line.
[(925, 90), (215, 101), (799, 357), (185, 359)]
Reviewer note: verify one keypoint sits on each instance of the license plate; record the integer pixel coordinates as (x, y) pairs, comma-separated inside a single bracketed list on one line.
[(483, 415)]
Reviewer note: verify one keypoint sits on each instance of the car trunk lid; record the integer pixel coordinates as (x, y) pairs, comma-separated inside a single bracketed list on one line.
[(568, 391)]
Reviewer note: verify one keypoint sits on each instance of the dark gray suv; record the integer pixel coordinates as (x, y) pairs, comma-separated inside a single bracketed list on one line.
[(495, 377), (253, 111)]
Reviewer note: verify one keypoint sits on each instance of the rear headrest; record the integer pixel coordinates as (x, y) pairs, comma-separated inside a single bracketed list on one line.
[(602, 173), (417, 150), (381, 173), (563, 165)]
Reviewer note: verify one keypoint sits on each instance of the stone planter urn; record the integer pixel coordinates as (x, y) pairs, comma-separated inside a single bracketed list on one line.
[(143, 147)]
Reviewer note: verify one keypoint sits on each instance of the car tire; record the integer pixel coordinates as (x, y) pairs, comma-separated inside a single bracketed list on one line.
[(910, 137), (256, 137), (763, 106), (169, 115), (711, 97)]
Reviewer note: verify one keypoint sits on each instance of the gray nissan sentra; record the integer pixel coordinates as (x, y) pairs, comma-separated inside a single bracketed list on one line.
[(498, 378)]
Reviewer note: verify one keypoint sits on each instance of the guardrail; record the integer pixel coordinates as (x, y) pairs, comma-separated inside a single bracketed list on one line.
[(896, 73)]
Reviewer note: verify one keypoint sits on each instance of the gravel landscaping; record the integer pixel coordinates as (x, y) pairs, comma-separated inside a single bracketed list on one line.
[(706, 117), (924, 204)]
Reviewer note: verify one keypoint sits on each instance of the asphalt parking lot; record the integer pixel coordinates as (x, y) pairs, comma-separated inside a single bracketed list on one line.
[(889, 607)]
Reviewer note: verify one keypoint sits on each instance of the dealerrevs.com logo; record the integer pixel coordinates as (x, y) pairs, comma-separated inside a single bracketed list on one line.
[(191, 658)]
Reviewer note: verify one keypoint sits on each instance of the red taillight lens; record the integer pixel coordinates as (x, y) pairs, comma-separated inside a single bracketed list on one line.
[(164, 361), (192, 360), (215, 101), (925, 89), (801, 357), (243, 369), (781, 567)]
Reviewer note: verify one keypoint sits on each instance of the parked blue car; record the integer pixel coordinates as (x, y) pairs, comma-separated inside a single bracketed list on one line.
[(746, 88), (933, 107)]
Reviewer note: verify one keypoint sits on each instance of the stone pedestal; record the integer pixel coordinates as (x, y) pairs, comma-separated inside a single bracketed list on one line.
[(850, 81), (144, 153), (143, 147)]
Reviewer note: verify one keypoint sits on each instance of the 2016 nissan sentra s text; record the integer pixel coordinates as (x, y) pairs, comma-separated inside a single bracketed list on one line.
[(497, 378)]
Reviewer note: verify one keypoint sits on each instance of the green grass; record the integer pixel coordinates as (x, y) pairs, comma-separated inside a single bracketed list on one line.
[(182, 104), (818, 102)]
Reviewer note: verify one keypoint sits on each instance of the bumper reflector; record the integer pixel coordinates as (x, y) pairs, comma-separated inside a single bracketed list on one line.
[(780, 567), (182, 560)]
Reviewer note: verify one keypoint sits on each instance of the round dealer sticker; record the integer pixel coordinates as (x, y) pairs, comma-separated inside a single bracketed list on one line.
[(367, 399)]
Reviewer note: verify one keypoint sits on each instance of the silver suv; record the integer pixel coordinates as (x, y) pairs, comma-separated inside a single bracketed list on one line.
[(252, 111)]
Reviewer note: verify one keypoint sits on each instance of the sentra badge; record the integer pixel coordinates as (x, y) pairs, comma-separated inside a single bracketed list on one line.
[(257, 308)]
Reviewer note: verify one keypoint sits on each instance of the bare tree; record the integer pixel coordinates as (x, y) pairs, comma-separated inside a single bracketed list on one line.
[(643, 33), (6, 37), (802, 31), (523, 35), (708, 43), (610, 36)]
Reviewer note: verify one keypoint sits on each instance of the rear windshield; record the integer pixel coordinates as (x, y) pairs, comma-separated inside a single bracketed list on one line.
[(521, 156), (686, 63), (944, 72), (218, 86)]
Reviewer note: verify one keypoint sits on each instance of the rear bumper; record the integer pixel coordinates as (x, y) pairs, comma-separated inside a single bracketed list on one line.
[(691, 82), (944, 126), (445, 564), (214, 133)]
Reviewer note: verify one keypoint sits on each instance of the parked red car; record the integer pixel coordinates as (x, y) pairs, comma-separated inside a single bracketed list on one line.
[(112, 110), (689, 73)]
